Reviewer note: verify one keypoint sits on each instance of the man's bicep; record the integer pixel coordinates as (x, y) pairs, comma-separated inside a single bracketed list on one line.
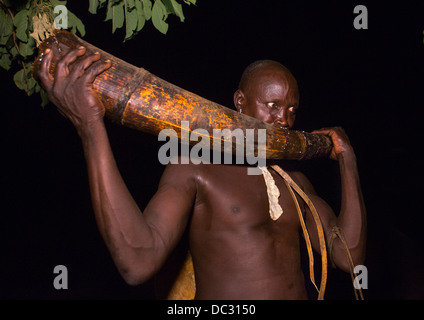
[(326, 217), (324, 210), (169, 210)]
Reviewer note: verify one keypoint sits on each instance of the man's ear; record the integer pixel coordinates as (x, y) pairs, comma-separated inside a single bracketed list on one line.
[(239, 100)]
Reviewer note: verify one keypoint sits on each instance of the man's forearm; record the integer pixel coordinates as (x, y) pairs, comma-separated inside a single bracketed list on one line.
[(119, 219), (352, 217)]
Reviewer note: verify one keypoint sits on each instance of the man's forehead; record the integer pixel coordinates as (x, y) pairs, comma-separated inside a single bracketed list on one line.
[(274, 87), (276, 83)]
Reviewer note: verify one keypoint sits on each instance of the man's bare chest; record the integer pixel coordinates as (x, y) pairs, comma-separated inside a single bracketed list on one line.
[(228, 196)]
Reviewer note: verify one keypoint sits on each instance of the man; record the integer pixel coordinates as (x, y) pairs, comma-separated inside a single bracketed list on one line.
[(238, 251)]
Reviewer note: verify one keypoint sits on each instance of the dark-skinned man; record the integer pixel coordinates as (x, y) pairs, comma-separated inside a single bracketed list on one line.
[(238, 251)]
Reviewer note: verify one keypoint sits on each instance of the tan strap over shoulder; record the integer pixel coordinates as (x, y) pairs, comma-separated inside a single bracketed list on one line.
[(323, 248)]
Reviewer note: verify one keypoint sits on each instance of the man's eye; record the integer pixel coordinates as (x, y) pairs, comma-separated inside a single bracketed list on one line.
[(271, 105), (292, 109)]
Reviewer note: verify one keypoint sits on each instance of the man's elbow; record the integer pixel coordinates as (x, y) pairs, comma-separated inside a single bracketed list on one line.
[(347, 261), (133, 279), (135, 275)]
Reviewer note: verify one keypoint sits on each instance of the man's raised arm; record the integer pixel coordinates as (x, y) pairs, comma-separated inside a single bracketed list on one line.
[(138, 242), (351, 221)]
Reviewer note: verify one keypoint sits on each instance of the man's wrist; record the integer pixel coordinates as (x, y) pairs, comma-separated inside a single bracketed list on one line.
[(347, 156), (90, 129)]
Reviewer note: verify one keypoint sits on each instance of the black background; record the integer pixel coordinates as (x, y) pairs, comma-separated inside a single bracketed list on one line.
[(367, 81)]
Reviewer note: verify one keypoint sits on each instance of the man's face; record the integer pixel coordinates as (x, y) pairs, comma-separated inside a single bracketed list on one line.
[(271, 96)]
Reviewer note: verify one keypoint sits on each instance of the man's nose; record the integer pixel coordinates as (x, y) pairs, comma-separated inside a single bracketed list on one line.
[(281, 118)]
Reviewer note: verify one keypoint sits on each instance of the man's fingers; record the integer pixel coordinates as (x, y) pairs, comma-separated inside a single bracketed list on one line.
[(95, 70), (79, 68), (62, 68), (330, 130), (322, 131), (45, 77)]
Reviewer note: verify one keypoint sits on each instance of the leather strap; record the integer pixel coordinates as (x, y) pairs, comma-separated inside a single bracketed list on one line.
[(336, 232), (323, 248)]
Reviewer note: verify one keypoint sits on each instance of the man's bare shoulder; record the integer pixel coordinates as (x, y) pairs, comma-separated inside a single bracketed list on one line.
[(302, 180), (180, 170)]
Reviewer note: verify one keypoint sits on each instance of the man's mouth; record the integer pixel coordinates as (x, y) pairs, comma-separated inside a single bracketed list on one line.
[(280, 126)]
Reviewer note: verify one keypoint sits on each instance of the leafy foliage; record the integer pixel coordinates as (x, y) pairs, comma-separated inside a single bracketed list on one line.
[(23, 24), (26, 23), (134, 13)]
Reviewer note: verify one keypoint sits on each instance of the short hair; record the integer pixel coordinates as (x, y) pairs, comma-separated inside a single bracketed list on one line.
[(251, 69)]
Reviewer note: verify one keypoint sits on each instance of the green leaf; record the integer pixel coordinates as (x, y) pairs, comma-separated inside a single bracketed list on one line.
[(118, 16), (131, 24), (102, 3), (20, 79), (58, 3), (159, 16), (4, 39), (26, 49), (178, 10), (31, 86), (147, 8), (14, 52), (5, 61), (76, 24), (168, 6), (190, 2), (21, 24), (141, 20), (92, 6), (6, 24), (130, 4), (2, 20), (109, 11), (24, 79), (81, 27), (37, 87), (173, 7)]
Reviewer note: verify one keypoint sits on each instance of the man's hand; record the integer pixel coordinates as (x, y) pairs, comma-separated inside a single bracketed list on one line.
[(341, 143), (70, 88)]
